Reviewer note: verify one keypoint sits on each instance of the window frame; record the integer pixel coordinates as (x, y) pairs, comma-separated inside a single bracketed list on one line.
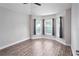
[(45, 27)]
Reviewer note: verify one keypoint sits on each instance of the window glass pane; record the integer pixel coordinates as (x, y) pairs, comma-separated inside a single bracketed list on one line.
[(38, 26), (57, 27), (48, 27)]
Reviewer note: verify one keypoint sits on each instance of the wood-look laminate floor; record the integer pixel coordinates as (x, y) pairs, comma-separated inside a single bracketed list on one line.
[(37, 47)]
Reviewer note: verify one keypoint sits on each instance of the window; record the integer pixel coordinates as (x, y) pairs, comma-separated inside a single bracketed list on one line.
[(48, 27), (38, 27), (58, 27)]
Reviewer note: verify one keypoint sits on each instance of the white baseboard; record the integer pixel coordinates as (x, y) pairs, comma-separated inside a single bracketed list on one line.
[(14, 43), (68, 44), (52, 38), (73, 51), (35, 37), (62, 41)]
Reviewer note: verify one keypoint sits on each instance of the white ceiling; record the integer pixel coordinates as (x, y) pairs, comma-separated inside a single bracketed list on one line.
[(45, 9)]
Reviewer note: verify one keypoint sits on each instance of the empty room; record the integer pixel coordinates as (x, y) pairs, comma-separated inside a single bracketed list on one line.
[(39, 29)]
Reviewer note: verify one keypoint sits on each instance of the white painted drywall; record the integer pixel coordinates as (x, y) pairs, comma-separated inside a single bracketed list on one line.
[(75, 28), (67, 27), (32, 9), (13, 27), (49, 8)]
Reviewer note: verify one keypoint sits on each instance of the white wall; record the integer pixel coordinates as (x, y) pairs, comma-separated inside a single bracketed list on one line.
[(67, 27), (13, 27), (75, 28)]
